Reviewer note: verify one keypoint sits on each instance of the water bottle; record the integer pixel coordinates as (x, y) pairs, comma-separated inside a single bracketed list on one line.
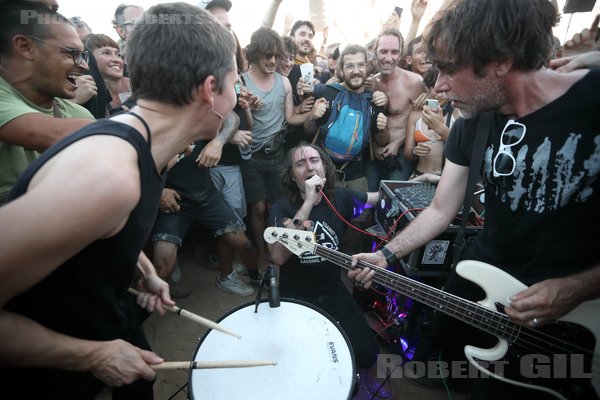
[(246, 152)]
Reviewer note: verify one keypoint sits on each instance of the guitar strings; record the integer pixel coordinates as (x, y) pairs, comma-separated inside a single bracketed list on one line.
[(528, 338)]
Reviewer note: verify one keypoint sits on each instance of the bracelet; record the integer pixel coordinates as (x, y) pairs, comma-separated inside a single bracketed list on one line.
[(390, 257)]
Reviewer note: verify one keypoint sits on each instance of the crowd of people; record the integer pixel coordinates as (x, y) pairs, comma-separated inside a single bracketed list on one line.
[(181, 126)]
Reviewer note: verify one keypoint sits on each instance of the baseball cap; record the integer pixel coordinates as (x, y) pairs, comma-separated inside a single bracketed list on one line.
[(206, 4)]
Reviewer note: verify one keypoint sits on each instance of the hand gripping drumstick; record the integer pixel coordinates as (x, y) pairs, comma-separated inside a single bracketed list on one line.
[(210, 364), (196, 318)]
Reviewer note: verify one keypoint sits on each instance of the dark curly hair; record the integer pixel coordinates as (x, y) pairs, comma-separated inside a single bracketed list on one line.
[(476, 32)]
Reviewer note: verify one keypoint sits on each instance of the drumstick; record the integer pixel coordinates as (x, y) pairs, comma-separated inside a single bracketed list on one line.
[(169, 365), (194, 317)]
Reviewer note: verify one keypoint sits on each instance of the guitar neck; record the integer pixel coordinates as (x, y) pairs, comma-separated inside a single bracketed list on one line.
[(467, 311)]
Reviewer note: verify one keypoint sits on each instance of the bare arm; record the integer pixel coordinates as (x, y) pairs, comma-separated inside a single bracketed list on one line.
[(38, 132), (212, 152), (417, 9), (271, 13), (430, 223), (44, 234)]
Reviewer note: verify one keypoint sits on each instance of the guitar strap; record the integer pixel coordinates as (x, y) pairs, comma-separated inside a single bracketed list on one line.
[(484, 127)]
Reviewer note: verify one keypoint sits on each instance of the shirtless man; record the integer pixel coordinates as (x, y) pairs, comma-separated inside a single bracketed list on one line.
[(403, 89)]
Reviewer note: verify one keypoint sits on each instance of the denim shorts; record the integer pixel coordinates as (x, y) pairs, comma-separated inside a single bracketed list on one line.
[(228, 181), (213, 213)]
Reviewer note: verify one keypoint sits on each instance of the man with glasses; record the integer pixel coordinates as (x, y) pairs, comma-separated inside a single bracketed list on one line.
[(72, 234), (351, 173), (40, 66), (124, 20), (540, 171)]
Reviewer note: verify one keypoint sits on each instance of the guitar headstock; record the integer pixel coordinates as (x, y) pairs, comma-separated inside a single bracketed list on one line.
[(296, 241)]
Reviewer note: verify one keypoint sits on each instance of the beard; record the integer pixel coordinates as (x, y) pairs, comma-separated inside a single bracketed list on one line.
[(354, 86), (488, 95)]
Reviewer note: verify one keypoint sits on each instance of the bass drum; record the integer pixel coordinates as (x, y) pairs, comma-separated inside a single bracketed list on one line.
[(313, 355)]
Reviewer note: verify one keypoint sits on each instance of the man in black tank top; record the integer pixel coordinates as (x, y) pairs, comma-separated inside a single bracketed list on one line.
[(77, 219)]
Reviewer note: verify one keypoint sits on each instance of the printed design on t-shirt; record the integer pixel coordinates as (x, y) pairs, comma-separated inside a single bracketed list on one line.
[(325, 236), (548, 177)]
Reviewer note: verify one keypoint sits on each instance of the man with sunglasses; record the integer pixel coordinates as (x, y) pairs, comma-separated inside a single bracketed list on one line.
[(540, 171), (39, 69)]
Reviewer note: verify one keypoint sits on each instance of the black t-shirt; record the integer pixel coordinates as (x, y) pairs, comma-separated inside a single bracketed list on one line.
[(537, 220), (312, 274), (192, 182)]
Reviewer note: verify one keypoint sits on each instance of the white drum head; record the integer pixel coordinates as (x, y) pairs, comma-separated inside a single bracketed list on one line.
[(313, 355)]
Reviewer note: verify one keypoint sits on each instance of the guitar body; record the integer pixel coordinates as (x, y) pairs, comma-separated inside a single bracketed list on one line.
[(560, 358), (522, 369)]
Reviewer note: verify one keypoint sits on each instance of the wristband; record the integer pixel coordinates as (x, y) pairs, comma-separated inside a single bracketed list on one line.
[(390, 257)]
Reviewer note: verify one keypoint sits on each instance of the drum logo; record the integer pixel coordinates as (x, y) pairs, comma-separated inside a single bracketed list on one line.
[(333, 353)]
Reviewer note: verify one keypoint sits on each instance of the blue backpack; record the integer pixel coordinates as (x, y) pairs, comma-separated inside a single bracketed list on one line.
[(348, 128)]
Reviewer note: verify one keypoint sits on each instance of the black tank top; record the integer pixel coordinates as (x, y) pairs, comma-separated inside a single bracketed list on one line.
[(86, 296)]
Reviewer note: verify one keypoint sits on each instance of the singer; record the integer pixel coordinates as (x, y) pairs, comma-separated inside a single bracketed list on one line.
[(310, 278)]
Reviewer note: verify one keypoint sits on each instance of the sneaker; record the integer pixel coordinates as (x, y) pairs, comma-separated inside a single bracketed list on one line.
[(234, 284), (179, 290), (240, 269)]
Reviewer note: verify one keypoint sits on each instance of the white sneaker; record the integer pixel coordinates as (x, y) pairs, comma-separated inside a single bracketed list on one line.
[(240, 269), (234, 284)]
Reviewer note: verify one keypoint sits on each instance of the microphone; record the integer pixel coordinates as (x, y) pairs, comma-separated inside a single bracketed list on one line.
[(274, 300), (318, 188)]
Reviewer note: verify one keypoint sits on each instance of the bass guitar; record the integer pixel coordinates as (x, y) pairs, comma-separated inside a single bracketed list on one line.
[(561, 358)]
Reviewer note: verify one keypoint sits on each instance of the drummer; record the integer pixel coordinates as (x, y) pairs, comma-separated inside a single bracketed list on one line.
[(312, 278), (77, 219)]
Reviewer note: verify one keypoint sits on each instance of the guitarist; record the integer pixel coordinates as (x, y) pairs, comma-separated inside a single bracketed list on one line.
[(540, 167), (310, 278)]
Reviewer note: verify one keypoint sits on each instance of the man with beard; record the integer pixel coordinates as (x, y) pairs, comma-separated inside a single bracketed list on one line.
[(351, 174), (40, 66), (303, 32), (539, 168), (402, 88)]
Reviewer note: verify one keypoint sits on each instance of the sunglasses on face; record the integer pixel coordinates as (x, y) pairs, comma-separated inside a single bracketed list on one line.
[(77, 55), (504, 162)]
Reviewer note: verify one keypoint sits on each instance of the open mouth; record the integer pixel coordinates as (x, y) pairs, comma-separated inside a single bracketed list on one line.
[(73, 79)]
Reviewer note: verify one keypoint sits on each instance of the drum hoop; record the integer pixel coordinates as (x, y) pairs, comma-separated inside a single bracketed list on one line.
[(283, 300)]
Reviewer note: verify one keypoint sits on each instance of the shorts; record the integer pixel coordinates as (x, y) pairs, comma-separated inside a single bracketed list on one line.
[(213, 213), (262, 176), (228, 181)]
